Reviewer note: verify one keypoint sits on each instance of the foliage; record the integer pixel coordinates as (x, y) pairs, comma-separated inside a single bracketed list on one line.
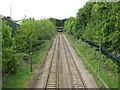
[(11, 23), (60, 23), (99, 20), (8, 49), (34, 29), (108, 69), (53, 20), (16, 48), (69, 25), (20, 79)]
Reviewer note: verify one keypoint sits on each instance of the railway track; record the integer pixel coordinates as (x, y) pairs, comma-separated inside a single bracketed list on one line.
[(61, 69), (76, 78)]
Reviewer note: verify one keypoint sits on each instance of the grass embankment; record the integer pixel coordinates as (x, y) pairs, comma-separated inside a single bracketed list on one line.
[(108, 69), (23, 74)]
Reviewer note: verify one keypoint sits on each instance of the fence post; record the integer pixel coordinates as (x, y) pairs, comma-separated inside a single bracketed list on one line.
[(30, 55), (99, 60)]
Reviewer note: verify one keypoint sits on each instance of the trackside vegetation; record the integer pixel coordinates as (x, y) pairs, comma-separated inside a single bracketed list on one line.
[(98, 23), (108, 69), (16, 48), (23, 75)]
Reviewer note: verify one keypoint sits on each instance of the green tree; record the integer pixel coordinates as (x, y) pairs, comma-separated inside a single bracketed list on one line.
[(9, 59), (69, 25)]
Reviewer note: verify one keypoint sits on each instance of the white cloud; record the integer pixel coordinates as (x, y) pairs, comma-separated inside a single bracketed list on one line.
[(41, 8)]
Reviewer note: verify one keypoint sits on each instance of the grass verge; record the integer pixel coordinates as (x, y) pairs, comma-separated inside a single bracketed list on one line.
[(108, 69), (18, 80)]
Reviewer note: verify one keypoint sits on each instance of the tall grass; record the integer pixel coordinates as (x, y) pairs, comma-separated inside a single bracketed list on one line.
[(108, 69), (23, 74)]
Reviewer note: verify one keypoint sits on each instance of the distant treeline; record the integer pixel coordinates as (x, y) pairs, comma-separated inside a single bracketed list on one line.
[(58, 22)]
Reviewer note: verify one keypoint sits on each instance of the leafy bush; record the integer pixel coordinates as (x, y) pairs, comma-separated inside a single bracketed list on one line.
[(69, 25), (98, 20), (8, 49), (17, 48)]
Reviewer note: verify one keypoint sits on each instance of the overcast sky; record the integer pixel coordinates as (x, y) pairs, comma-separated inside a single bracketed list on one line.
[(59, 9)]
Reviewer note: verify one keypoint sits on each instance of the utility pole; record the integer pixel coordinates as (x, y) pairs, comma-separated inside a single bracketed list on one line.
[(31, 55), (10, 11)]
